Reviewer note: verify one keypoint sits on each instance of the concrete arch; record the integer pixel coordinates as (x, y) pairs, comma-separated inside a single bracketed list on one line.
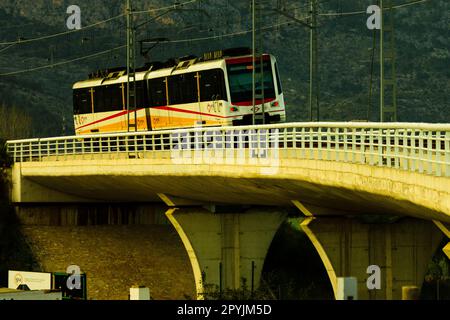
[(348, 247)]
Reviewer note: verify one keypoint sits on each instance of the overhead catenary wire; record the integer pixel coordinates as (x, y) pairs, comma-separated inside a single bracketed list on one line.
[(233, 34), (62, 62), (172, 41), (351, 13), (174, 6), (59, 34), (50, 36), (54, 35)]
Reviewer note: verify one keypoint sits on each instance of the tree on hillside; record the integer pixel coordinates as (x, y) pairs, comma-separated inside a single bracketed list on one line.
[(14, 124)]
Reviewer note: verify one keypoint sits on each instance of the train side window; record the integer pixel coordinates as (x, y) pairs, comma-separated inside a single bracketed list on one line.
[(157, 92), (107, 98), (99, 99), (82, 101), (114, 92), (140, 95), (183, 88), (76, 102), (212, 85)]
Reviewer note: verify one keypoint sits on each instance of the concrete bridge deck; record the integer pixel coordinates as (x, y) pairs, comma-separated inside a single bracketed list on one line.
[(328, 187), (354, 168)]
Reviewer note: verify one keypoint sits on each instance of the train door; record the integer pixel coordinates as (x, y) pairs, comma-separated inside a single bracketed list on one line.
[(212, 94), (123, 118), (158, 101), (93, 116), (199, 120), (167, 113)]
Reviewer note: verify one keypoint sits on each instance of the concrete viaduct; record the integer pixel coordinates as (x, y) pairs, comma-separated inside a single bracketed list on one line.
[(370, 193)]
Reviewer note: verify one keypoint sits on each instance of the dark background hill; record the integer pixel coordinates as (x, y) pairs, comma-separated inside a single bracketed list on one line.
[(422, 41)]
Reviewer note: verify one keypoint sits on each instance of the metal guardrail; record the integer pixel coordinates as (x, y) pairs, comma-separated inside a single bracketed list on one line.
[(417, 147)]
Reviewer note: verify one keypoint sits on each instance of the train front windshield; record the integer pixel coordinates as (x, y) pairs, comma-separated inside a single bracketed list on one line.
[(240, 79)]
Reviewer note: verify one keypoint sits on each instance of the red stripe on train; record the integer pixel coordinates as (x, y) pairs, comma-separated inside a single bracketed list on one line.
[(245, 59), (171, 109), (250, 103), (194, 112), (107, 118)]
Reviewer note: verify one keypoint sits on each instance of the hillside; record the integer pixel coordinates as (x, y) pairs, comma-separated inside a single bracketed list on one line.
[(422, 41)]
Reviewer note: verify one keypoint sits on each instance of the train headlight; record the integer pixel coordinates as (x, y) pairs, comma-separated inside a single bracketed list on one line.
[(234, 109)]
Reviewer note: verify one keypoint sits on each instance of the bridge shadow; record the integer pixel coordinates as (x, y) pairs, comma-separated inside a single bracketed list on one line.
[(15, 251), (293, 269), (436, 285)]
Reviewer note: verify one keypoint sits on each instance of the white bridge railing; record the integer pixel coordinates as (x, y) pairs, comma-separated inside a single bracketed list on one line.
[(423, 148)]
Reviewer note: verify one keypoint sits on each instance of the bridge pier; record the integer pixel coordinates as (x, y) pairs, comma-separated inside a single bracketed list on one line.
[(228, 248), (401, 249)]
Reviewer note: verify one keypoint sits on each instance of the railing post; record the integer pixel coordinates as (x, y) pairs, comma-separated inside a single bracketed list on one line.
[(345, 134), (407, 150), (371, 149), (39, 150), (154, 144), (353, 145), (65, 149), (447, 153), (285, 141), (294, 141), (415, 150), (319, 143), (388, 148), (302, 144), (30, 154), (56, 146), (328, 143), (430, 152), (380, 147), (108, 145), (362, 146), (421, 151), (438, 154), (135, 142), (396, 150), (15, 152)]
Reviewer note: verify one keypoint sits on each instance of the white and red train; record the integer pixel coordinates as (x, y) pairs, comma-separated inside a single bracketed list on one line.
[(215, 90)]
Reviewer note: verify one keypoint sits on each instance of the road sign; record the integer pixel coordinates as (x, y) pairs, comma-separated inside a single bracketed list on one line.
[(34, 280), (446, 250)]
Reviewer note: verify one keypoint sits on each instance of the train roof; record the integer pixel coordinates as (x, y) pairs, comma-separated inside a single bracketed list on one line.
[(210, 60), (121, 76)]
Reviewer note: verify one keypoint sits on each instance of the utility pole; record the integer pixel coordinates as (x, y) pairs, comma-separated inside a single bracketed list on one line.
[(313, 62), (313, 54), (131, 69), (388, 83), (257, 54), (253, 59), (261, 58)]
